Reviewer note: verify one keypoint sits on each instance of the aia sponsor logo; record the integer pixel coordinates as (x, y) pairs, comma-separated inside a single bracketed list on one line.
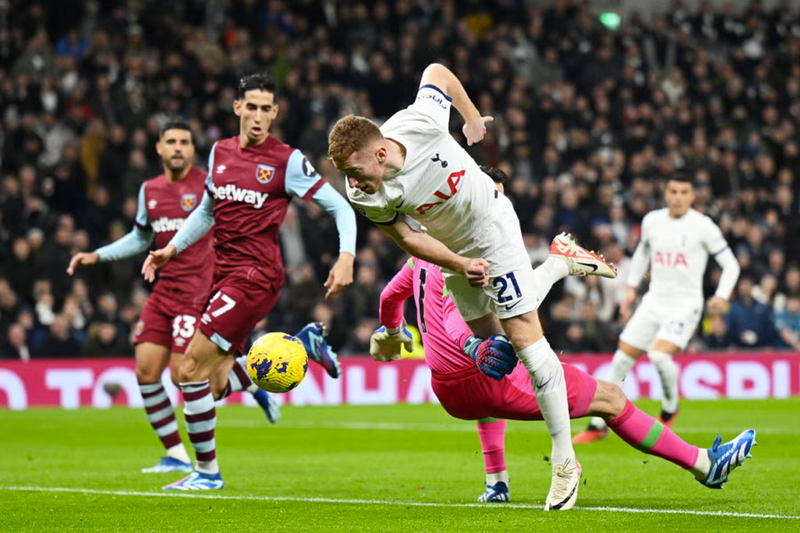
[(264, 173), (453, 181), (188, 201), (670, 260)]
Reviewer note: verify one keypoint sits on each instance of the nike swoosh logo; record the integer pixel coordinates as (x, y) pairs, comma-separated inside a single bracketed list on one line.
[(590, 265), (400, 204), (563, 502), (511, 306), (543, 384)]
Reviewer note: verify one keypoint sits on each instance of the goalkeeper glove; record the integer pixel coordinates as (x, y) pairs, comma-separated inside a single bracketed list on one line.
[(494, 356), (385, 343)]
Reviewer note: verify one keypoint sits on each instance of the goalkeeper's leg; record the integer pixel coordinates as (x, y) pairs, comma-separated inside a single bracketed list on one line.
[(644, 432), (492, 433)]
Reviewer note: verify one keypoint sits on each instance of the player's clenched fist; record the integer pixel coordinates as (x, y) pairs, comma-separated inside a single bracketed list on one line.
[(83, 258), (385, 343), (477, 272), (156, 260)]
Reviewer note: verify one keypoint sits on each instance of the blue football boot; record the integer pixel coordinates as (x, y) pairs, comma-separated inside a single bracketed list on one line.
[(268, 404), (197, 481), (168, 464), (726, 457), (313, 338), (495, 493)]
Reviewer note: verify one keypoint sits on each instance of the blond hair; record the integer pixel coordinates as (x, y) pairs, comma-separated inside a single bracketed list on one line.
[(350, 134)]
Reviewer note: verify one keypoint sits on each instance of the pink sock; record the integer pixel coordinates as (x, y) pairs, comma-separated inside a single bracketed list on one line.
[(493, 443), (648, 435)]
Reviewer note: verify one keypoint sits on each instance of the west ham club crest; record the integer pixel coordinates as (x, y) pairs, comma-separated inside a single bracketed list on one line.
[(264, 173), (188, 201)]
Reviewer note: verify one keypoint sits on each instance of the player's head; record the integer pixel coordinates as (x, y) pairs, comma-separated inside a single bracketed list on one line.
[(175, 146), (498, 176), (358, 148), (679, 195), (256, 106)]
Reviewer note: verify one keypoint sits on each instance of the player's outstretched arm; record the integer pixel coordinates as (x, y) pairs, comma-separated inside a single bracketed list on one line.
[(81, 259), (135, 242), (422, 245), (443, 79)]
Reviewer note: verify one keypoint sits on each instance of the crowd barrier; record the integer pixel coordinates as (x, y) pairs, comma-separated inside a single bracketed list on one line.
[(73, 383)]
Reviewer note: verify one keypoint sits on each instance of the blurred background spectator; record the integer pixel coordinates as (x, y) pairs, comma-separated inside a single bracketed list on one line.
[(588, 123)]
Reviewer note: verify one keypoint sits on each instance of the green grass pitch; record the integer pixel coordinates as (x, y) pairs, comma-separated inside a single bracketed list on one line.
[(393, 468)]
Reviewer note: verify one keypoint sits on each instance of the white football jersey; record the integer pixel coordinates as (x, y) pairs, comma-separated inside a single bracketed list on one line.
[(678, 250), (440, 185)]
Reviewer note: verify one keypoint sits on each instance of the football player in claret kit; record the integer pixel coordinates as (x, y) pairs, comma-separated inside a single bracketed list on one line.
[(676, 242), (475, 385), (251, 179), (172, 312), (412, 167)]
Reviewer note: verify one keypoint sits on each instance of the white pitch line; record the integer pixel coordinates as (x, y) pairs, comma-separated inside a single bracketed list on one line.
[(207, 496)]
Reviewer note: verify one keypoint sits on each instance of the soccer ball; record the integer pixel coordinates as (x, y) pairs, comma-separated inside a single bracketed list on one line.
[(277, 362)]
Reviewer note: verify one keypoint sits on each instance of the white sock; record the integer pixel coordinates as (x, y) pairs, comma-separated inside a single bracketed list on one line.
[(252, 388), (208, 467), (621, 366), (550, 388), (494, 477), (702, 466), (179, 452), (668, 371), (546, 275)]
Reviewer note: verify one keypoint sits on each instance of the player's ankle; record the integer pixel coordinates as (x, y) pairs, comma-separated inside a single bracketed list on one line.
[(179, 452), (494, 477), (703, 464)]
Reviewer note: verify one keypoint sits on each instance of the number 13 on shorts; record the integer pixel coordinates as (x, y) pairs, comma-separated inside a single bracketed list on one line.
[(219, 304)]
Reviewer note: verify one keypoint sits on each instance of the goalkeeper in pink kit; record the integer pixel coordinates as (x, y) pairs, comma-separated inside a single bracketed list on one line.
[(491, 383)]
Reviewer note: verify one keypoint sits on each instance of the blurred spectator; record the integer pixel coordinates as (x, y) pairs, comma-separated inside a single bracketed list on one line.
[(105, 340), (749, 321), (17, 345), (60, 342), (718, 338), (787, 323)]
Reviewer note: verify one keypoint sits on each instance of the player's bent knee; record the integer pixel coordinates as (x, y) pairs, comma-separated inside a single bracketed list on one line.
[(191, 369), (145, 374), (608, 401)]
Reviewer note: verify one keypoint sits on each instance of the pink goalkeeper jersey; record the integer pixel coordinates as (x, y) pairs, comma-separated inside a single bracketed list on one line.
[(443, 330)]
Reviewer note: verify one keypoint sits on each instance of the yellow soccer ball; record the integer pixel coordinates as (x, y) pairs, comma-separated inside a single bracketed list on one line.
[(277, 362)]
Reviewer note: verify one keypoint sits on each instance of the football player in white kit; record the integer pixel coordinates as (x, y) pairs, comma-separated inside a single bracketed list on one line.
[(412, 167), (676, 242)]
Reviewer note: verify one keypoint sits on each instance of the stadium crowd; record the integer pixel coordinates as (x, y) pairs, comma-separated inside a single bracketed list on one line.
[(587, 123)]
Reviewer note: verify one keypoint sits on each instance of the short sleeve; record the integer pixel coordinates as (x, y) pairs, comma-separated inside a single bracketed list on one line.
[(302, 179), (385, 216), (713, 241), (432, 107)]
